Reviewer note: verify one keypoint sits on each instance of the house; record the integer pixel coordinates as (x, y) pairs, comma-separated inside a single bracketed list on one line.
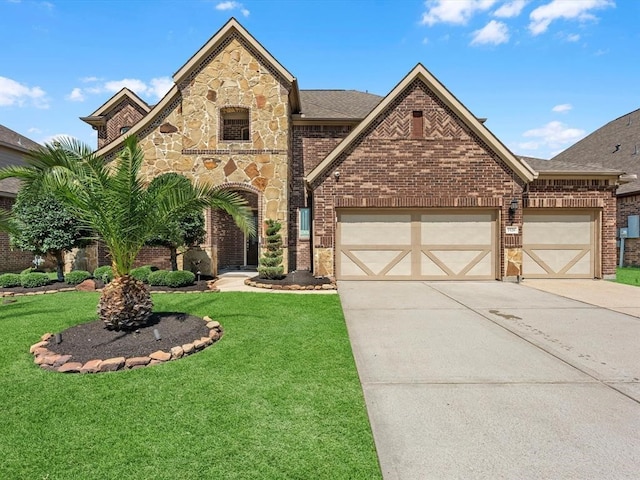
[(411, 185), (13, 147), (616, 146)]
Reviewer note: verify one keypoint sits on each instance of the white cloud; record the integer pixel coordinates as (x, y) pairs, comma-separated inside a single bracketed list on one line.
[(15, 93), (133, 84), (493, 33), (562, 108), (76, 95), (573, 37), (34, 130), (224, 6), (160, 86), (89, 79), (580, 10), (457, 12), (553, 135), (511, 9)]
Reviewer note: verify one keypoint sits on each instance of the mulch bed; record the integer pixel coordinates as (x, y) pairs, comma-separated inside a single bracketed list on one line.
[(92, 340), (302, 278), (201, 286)]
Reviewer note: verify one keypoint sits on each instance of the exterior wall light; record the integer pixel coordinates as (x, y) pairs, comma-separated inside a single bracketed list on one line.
[(513, 208)]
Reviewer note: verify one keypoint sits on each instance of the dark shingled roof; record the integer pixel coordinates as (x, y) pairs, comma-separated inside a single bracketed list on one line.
[(21, 144), (615, 146), (337, 104)]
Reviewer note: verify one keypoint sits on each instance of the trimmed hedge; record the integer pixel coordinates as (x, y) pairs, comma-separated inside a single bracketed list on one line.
[(180, 278), (158, 278), (104, 273), (9, 280), (76, 277), (164, 278), (142, 273), (34, 279)]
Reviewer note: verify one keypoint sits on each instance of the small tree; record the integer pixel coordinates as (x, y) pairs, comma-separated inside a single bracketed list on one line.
[(43, 225), (184, 230), (271, 261)]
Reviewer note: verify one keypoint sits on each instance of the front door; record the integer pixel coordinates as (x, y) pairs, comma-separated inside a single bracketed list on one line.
[(251, 244)]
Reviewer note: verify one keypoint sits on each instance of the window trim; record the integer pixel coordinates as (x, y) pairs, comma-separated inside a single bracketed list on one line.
[(304, 216)]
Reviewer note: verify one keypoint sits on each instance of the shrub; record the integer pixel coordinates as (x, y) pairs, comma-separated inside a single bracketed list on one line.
[(142, 273), (104, 273), (77, 276), (9, 280), (180, 278), (27, 270), (34, 279), (271, 261), (158, 278)]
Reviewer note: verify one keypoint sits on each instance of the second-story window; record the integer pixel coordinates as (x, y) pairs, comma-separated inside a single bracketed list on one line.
[(234, 124)]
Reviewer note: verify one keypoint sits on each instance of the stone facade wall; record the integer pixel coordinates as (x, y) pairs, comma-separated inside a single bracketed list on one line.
[(126, 114), (445, 166), (12, 260), (311, 143), (188, 138), (582, 194), (629, 205)]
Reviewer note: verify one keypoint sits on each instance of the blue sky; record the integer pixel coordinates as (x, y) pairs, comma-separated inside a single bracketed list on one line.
[(544, 72)]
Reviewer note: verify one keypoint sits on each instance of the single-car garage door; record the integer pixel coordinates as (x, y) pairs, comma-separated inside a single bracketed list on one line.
[(416, 245), (559, 244)]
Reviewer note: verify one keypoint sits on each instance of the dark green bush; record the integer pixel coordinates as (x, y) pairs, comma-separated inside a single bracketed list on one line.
[(77, 276), (180, 278), (104, 273), (34, 279), (142, 273), (9, 280), (158, 278)]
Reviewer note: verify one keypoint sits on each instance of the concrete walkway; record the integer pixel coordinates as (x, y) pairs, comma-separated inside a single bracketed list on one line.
[(492, 380)]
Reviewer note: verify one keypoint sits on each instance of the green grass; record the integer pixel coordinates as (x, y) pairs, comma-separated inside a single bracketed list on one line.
[(278, 397), (628, 275)]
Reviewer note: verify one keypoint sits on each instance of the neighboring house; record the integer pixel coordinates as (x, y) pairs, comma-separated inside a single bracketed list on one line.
[(616, 146), (406, 186), (13, 147)]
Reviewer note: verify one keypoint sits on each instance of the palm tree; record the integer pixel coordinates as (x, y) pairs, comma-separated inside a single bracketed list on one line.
[(5, 221), (113, 201)]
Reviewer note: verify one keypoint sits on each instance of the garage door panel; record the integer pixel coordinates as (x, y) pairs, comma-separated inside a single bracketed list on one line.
[(391, 229), (443, 245), (559, 245)]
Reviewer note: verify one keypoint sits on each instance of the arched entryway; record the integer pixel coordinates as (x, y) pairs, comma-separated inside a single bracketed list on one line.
[(235, 250)]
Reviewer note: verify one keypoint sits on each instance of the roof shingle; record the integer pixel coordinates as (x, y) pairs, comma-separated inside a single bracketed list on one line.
[(337, 104)]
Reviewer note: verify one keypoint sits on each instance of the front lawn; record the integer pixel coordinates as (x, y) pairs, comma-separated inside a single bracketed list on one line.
[(628, 275), (278, 397)]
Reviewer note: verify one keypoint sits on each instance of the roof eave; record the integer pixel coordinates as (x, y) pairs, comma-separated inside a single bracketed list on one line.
[(142, 124), (116, 98), (95, 121)]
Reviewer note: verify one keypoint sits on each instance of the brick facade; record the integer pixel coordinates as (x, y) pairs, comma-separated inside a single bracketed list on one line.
[(629, 205), (11, 260), (311, 143), (388, 167), (126, 114)]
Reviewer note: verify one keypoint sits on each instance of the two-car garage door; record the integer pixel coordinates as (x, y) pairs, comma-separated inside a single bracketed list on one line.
[(461, 244), (426, 245)]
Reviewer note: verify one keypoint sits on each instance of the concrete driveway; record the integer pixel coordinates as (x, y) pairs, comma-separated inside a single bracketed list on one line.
[(493, 380)]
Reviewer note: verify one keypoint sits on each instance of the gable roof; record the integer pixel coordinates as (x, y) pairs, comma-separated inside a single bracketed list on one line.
[(229, 28), (336, 104), (420, 72), (615, 146), (15, 141), (20, 145), (97, 117)]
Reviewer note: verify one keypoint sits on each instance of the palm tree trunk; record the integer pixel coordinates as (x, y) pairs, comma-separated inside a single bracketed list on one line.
[(173, 252), (125, 304)]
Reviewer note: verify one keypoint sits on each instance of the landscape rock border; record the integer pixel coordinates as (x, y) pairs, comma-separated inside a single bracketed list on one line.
[(274, 286), (52, 361)]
